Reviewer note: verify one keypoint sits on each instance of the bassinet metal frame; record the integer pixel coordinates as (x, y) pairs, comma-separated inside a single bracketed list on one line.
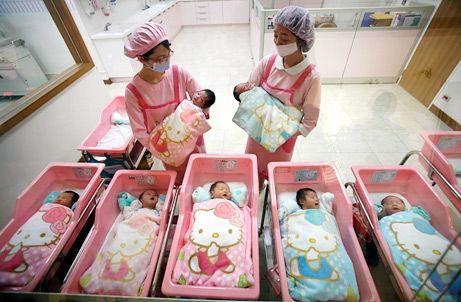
[(431, 171)]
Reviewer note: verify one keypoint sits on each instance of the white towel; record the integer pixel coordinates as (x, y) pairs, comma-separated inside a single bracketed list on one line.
[(116, 137), (120, 118)]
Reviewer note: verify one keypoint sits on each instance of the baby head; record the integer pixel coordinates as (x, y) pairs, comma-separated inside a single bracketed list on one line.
[(67, 198), (392, 204), (203, 98), (240, 88), (307, 199), (149, 199), (220, 189)]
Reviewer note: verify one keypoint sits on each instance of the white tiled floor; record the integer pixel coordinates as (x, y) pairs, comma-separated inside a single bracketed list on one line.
[(372, 124)]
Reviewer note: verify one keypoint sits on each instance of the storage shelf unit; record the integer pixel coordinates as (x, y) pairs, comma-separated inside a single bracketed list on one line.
[(352, 45)]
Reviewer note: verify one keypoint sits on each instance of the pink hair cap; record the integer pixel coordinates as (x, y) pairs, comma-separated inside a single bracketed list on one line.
[(144, 38)]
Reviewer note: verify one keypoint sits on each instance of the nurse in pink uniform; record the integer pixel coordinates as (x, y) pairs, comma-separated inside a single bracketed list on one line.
[(290, 77), (157, 89)]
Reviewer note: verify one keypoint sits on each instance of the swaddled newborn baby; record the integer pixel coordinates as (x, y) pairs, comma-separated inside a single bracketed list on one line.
[(28, 249), (217, 248), (416, 247), (267, 120), (176, 136), (317, 265), (148, 199), (121, 265)]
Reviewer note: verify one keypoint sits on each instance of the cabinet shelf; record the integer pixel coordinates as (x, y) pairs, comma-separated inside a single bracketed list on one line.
[(352, 45)]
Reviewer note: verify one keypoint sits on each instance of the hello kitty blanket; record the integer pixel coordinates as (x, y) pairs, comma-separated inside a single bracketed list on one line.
[(318, 267), (218, 247), (267, 120), (416, 246), (25, 253), (121, 265), (174, 139)]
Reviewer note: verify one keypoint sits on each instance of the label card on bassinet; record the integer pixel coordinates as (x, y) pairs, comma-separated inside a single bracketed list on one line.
[(225, 165), (82, 172), (305, 175), (448, 142), (383, 176), (143, 179)]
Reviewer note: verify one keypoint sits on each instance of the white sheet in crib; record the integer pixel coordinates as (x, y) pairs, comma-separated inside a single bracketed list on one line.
[(116, 137)]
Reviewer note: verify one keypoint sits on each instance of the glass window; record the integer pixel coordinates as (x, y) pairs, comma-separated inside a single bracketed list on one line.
[(38, 56), (341, 19)]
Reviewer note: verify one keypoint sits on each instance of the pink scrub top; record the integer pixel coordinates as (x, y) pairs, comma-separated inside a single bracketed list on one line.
[(148, 104), (297, 86)]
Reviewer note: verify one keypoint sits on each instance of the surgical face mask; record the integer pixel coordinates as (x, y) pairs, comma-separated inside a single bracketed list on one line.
[(161, 67), (286, 50)]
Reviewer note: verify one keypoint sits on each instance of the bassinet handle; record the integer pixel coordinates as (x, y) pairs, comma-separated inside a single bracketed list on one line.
[(432, 169), (361, 206)]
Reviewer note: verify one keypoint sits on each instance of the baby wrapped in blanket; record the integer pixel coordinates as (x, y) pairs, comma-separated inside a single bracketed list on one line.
[(318, 267), (267, 120), (121, 265), (175, 137), (416, 246), (217, 250), (30, 246)]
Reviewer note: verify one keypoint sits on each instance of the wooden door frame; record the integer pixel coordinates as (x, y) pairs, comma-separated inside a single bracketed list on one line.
[(435, 58)]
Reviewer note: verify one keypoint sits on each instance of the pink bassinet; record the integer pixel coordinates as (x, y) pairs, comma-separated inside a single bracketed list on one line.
[(443, 150), (409, 183), (322, 177), (202, 169), (124, 156), (107, 211), (82, 178)]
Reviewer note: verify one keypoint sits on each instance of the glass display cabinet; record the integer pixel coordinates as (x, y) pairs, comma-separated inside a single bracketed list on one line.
[(369, 44)]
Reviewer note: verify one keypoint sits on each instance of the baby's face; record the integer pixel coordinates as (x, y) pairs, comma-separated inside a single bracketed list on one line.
[(242, 87), (221, 190), (200, 98), (64, 199), (393, 204), (149, 199), (310, 201)]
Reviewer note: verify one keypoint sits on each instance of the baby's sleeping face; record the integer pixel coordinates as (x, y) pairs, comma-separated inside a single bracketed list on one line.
[(149, 199), (65, 199), (221, 190), (392, 205), (243, 87)]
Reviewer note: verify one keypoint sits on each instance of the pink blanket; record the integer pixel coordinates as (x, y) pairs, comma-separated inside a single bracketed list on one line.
[(121, 265), (217, 250), (23, 256), (175, 138)]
